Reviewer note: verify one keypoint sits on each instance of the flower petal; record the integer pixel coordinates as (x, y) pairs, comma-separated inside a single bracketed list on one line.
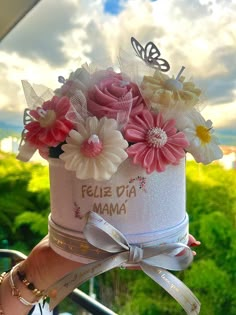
[(134, 135), (148, 158), (136, 148), (104, 163)]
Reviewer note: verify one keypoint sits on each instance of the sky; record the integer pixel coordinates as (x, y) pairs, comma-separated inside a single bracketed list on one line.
[(56, 37)]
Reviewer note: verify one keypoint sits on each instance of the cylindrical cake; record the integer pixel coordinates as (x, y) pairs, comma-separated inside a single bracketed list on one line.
[(146, 208)]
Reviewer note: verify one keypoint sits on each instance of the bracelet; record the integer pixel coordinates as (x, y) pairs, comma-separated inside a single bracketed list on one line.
[(2, 277), (15, 292), (38, 293)]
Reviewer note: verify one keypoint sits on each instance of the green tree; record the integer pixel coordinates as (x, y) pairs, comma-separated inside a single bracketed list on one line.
[(24, 202), (211, 204)]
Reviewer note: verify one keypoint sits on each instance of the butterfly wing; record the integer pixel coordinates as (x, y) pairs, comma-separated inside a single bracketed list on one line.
[(151, 51), (150, 55), (26, 150), (27, 118), (138, 48), (160, 64)]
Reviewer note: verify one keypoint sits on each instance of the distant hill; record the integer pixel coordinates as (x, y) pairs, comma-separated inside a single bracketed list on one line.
[(7, 130), (225, 136)]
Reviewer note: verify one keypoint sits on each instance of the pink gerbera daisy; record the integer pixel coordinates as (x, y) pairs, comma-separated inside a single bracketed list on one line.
[(157, 142), (49, 126)]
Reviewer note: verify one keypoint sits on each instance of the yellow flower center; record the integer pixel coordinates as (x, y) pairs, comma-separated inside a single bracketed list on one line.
[(203, 134), (47, 119)]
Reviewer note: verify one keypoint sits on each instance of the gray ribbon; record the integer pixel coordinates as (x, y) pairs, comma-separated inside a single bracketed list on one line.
[(153, 260)]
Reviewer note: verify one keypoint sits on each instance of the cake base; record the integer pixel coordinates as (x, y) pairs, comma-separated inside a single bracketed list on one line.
[(72, 245)]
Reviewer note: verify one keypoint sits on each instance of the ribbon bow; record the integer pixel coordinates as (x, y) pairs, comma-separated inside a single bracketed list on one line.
[(153, 260)]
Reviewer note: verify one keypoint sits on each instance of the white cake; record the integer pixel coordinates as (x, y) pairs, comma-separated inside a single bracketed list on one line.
[(147, 209)]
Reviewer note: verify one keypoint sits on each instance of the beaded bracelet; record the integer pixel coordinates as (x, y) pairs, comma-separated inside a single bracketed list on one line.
[(22, 277), (15, 292), (2, 277)]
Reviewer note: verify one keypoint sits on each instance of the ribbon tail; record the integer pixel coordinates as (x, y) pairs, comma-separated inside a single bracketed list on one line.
[(60, 289), (176, 288)]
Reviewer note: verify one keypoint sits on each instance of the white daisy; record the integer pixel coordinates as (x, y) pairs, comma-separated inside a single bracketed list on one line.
[(203, 144), (95, 150)]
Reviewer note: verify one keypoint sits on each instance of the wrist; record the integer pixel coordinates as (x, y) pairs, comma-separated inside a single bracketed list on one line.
[(10, 304), (20, 283), (44, 267)]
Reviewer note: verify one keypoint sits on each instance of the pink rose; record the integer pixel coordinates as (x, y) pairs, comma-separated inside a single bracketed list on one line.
[(111, 94)]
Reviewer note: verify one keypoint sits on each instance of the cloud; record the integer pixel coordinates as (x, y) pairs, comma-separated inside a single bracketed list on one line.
[(54, 39), (10, 96), (38, 35), (99, 35), (13, 69), (226, 110), (220, 87), (192, 10)]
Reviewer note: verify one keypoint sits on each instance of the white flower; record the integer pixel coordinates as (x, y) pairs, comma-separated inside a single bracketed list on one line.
[(203, 144), (95, 149), (77, 81)]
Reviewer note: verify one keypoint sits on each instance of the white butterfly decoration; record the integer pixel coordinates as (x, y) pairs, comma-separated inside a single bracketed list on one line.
[(150, 54)]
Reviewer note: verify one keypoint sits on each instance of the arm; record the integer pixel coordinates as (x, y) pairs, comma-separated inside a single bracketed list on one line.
[(42, 267)]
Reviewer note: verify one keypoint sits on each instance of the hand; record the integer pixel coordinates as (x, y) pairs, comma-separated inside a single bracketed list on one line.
[(193, 242), (42, 267)]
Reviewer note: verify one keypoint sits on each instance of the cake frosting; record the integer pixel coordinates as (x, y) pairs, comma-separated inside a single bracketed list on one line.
[(116, 144), (137, 204)]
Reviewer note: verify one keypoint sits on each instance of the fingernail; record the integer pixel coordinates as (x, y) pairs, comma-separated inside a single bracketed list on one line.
[(195, 243)]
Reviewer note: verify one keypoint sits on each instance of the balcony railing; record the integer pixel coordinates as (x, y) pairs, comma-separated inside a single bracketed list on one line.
[(81, 299)]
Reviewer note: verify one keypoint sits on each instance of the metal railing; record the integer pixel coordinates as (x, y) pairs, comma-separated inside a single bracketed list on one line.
[(80, 298)]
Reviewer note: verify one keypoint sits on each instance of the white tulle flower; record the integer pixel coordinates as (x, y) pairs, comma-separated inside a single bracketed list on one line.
[(203, 144), (95, 149), (78, 80)]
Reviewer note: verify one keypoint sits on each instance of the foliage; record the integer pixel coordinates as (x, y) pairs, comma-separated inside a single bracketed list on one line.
[(211, 204), (36, 221), (24, 202)]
